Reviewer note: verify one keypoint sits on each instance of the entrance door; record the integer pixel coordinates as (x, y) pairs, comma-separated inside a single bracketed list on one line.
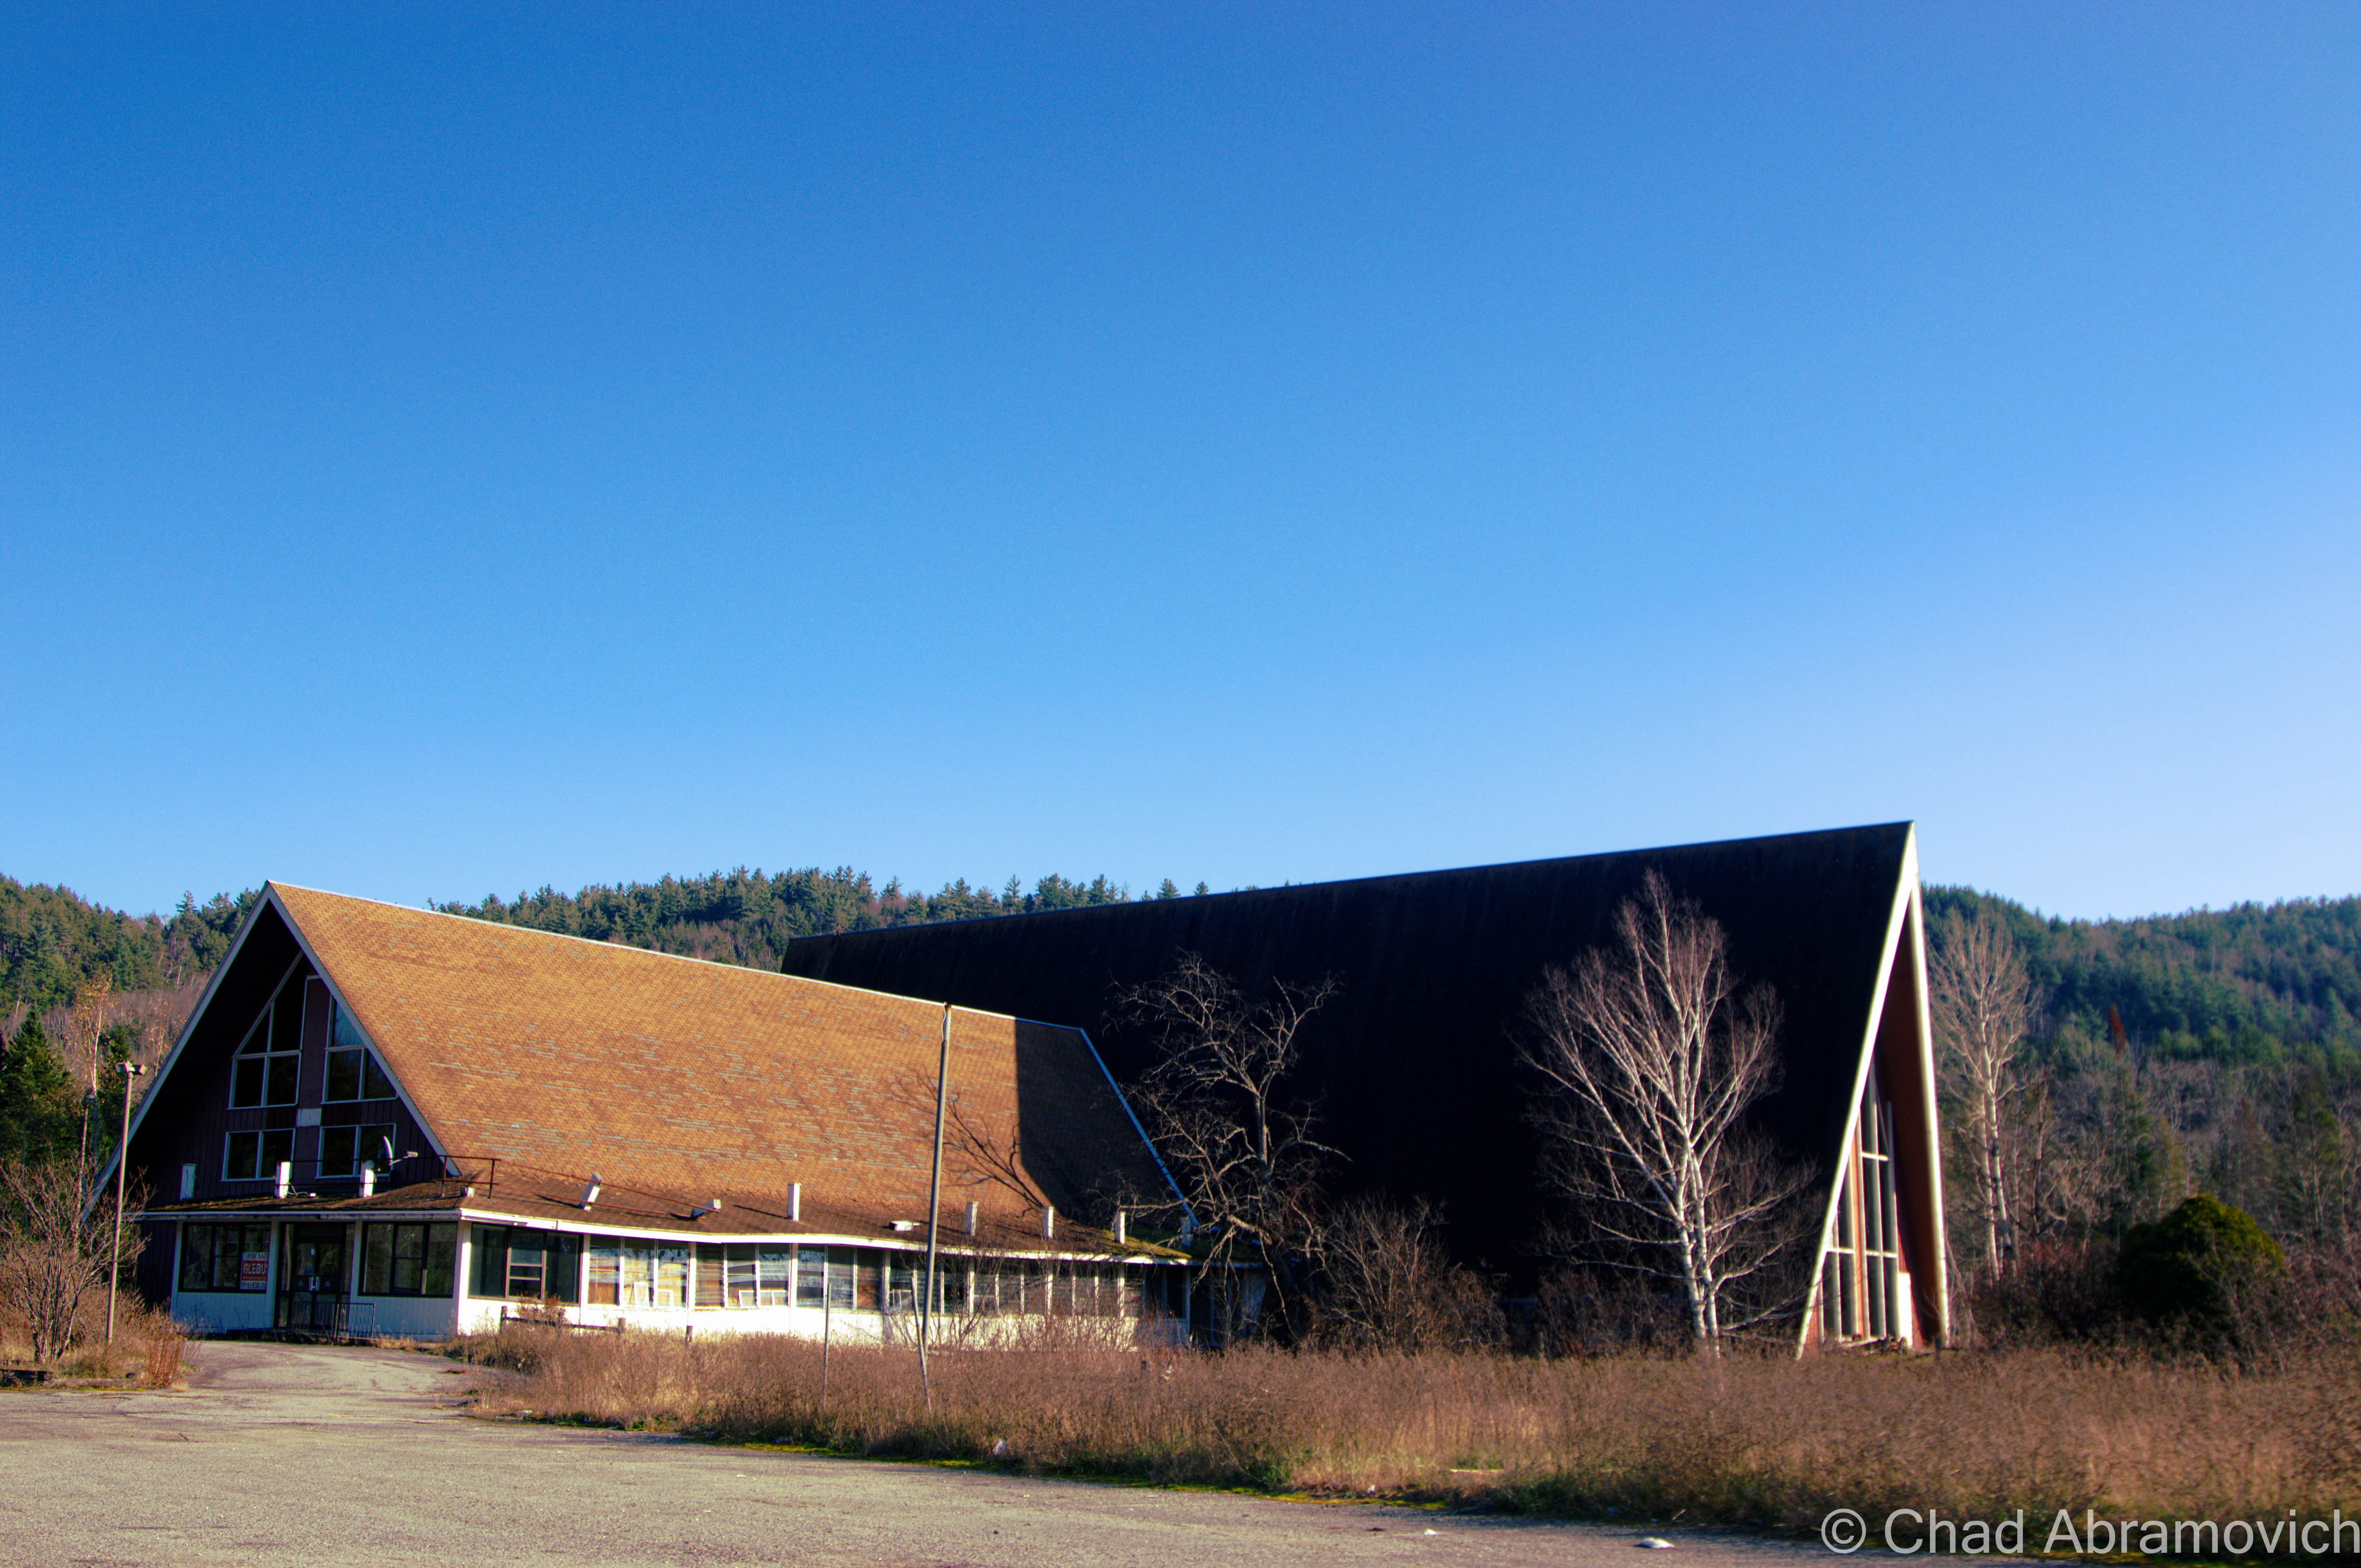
[(312, 1285)]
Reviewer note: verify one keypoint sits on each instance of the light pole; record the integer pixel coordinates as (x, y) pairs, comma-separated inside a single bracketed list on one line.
[(121, 1164)]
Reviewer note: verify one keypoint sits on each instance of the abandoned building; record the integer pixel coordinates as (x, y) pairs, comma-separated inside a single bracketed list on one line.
[(386, 1121), (1414, 1065)]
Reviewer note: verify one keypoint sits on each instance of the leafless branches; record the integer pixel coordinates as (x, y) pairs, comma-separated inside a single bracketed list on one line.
[(53, 1251), (1216, 1106), (1985, 1006), (1651, 1059)]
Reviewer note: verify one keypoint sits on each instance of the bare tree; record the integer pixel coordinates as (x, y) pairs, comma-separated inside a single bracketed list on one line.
[(54, 1251), (1215, 1104), (1388, 1282), (1984, 1007), (1654, 1060)]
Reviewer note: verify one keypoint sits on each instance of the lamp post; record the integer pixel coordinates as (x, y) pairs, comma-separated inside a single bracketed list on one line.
[(121, 1164)]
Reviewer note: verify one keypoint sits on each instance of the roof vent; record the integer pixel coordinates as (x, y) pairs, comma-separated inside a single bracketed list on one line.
[(590, 1190), (795, 1201), (1048, 1222), (903, 1227), (1118, 1228), (286, 1177), (368, 1182), (971, 1219), (710, 1206)]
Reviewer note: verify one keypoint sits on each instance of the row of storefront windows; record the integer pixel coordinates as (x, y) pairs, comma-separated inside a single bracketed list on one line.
[(513, 1264), (524, 1264), (396, 1259)]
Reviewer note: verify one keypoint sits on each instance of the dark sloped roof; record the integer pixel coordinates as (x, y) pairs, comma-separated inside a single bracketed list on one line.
[(1413, 1060)]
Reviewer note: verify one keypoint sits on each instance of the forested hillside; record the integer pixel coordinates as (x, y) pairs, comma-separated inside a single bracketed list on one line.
[(749, 917), (2243, 985)]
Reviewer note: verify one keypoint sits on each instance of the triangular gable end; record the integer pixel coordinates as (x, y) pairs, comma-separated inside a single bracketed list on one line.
[(269, 946), (1881, 1271)]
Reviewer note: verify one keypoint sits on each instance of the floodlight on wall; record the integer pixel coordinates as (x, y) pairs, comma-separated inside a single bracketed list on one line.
[(795, 1201), (590, 1190), (1048, 1222)]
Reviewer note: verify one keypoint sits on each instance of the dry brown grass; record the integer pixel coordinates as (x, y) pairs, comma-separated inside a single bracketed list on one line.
[(1759, 1440), (148, 1344)]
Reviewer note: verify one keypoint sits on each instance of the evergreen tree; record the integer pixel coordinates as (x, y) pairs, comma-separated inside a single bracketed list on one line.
[(40, 1118)]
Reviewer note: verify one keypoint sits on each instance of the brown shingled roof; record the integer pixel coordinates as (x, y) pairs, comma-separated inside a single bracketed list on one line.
[(671, 1076)]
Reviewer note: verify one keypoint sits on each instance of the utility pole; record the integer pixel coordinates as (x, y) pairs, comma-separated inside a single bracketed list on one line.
[(121, 1164), (935, 1206)]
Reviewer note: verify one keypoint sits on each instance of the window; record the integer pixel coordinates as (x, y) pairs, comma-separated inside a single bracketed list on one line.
[(352, 1070), (517, 1265), (811, 1277), (344, 1150), (755, 1275), (1863, 1294), (263, 1071), (627, 1272), (407, 1260), (256, 1157), (224, 1258)]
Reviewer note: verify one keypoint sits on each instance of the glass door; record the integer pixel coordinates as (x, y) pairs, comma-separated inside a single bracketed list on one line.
[(313, 1282)]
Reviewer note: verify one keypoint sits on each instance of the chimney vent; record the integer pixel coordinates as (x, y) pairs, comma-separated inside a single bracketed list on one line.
[(971, 1219), (286, 1177), (1118, 1228), (795, 1201), (1048, 1220), (369, 1180)]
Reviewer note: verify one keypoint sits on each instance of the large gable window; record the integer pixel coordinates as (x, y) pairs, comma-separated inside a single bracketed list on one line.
[(263, 1071), (353, 1073)]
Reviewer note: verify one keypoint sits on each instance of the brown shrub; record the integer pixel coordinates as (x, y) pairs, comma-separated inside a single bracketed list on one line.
[(1748, 1439)]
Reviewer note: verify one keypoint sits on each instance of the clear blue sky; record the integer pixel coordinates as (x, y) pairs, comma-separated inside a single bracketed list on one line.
[(447, 450)]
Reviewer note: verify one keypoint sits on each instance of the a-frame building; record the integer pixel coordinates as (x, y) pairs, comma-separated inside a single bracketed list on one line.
[(384, 1120), (1414, 1065)]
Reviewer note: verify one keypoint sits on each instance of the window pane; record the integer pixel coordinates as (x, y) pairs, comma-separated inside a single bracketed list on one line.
[(344, 1075), (278, 1083), (375, 1084), (346, 1034), (606, 1271), (442, 1242), (491, 1253), (237, 1162), (841, 1291), (742, 1281), (245, 1082), (811, 1277), (277, 1146), (337, 1151), (287, 1016), (196, 1258), (671, 1276), (377, 1258), (408, 1258)]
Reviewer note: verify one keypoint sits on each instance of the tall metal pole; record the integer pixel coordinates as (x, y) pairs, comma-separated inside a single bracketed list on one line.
[(935, 1205), (122, 1163)]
